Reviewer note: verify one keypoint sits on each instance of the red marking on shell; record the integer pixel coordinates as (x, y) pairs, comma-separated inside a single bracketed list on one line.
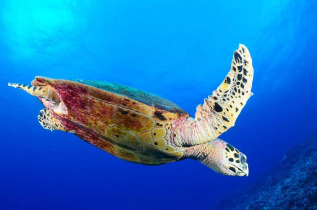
[(72, 96), (102, 111), (88, 135), (137, 124), (108, 96), (75, 99)]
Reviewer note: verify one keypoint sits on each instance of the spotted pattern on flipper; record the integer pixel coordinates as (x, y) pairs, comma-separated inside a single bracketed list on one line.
[(46, 92), (221, 110), (48, 121)]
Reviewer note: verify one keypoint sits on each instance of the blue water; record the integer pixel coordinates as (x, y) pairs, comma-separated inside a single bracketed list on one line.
[(180, 50)]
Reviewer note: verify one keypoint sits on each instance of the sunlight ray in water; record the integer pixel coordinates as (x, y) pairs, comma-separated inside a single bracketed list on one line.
[(41, 28)]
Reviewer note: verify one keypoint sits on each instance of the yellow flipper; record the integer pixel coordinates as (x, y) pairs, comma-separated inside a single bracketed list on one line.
[(48, 122), (37, 91), (220, 111)]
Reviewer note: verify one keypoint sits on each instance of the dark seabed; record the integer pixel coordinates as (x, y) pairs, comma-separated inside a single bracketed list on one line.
[(180, 50), (290, 184)]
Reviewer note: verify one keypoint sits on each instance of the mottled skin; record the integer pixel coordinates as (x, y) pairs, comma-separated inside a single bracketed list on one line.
[(144, 128)]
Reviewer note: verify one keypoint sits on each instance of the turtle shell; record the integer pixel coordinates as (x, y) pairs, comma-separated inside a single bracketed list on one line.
[(129, 123)]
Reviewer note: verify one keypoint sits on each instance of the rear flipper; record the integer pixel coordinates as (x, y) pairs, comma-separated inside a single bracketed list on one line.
[(37, 91), (49, 122)]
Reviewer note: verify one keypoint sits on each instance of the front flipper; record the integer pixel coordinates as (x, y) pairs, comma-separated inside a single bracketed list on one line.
[(220, 111), (224, 106)]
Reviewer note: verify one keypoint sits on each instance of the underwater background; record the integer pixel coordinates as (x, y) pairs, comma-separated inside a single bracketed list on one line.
[(180, 50)]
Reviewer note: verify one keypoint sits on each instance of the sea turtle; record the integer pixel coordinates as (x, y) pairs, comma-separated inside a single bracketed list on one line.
[(144, 128)]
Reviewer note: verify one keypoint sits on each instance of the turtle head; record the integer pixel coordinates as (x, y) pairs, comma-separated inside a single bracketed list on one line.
[(221, 157), (226, 159), (234, 162)]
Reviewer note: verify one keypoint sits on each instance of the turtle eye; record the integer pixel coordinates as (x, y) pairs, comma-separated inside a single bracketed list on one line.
[(243, 158)]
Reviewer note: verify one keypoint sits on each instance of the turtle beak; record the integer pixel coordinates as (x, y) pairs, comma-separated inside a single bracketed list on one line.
[(243, 166), (243, 171)]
